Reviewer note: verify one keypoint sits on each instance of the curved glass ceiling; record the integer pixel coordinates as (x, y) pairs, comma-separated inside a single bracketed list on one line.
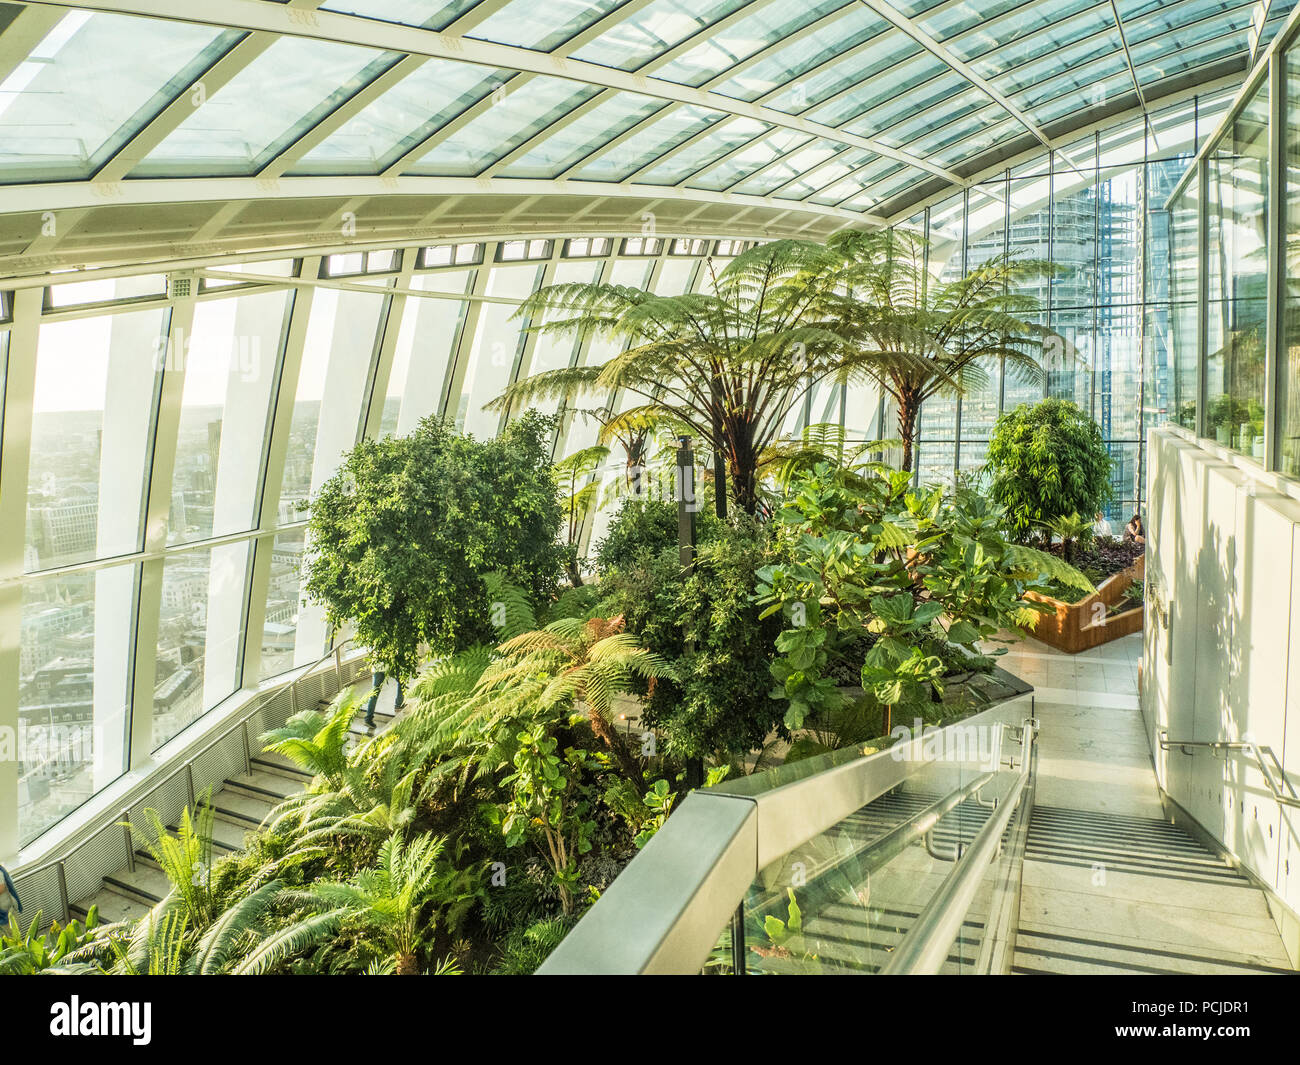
[(844, 109)]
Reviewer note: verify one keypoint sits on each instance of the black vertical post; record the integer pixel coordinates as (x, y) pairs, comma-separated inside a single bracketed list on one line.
[(738, 941), (686, 509), (686, 503)]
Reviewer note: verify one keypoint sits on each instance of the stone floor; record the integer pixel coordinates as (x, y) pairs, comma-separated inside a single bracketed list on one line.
[(1110, 886)]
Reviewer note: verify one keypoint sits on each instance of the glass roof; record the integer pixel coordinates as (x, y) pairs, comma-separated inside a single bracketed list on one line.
[(857, 105)]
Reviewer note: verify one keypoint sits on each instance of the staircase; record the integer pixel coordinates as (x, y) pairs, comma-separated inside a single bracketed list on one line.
[(239, 807), (1107, 893), (856, 938)]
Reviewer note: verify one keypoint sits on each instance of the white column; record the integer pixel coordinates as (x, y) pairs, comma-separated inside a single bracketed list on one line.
[(277, 447), (252, 371), (15, 451), (134, 355), (158, 507)]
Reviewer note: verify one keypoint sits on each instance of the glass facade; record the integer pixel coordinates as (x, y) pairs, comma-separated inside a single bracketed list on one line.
[(1235, 219), (1114, 308)]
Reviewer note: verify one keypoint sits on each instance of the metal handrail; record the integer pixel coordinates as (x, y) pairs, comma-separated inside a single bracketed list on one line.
[(664, 913), (927, 943), (1275, 777), (263, 699)]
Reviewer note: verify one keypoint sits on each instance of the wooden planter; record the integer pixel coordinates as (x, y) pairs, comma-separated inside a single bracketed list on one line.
[(1072, 628)]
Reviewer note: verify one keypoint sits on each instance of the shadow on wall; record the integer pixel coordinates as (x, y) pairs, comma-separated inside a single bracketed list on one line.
[(1196, 672)]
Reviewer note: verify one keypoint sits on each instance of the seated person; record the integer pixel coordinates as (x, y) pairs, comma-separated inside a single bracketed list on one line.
[(1135, 532), (1100, 526)]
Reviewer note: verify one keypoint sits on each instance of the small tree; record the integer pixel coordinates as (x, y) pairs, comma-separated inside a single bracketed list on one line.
[(576, 475), (1047, 461), (727, 363), (918, 335), (403, 534)]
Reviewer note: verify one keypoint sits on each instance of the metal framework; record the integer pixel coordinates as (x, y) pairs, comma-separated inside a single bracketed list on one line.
[(808, 70)]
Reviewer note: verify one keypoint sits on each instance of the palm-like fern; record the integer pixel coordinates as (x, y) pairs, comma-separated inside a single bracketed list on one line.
[(391, 897), (186, 858), (576, 665), (918, 335), (158, 948), (220, 942), (727, 364), (318, 742), (295, 939)]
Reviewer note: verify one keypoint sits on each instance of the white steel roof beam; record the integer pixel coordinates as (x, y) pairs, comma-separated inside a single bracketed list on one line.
[(253, 15)]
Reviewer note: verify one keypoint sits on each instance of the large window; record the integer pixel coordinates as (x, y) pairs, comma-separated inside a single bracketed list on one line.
[(74, 697), (1288, 393), (342, 334), (92, 422), (231, 364), (1237, 280), (1108, 310), (200, 634)]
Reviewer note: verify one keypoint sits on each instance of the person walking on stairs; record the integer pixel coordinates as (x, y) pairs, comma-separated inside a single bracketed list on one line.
[(379, 677)]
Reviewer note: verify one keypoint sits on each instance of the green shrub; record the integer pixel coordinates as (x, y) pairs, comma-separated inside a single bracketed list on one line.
[(708, 627), (405, 532), (911, 575), (647, 527), (1047, 461), (527, 947)]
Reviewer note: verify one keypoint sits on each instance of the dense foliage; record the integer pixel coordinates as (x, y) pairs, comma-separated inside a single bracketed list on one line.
[(475, 831), (706, 625), (404, 532), (898, 576), (1047, 461)]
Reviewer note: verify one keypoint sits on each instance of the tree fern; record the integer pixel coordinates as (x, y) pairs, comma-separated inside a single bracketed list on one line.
[(186, 859), (298, 938), (218, 942)]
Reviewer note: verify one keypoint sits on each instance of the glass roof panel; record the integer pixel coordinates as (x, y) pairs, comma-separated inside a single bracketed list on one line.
[(84, 91), (241, 126), (870, 198), (1189, 9), (754, 155), (541, 26), (504, 126), (786, 169), (1030, 76), (727, 137), (653, 30), (882, 54), (977, 143), (1154, 62), (1024, 36), (947, 88), (815, 179), (796, 58), (429, 14), (833, 61), (968, 125), (729, 45), (1189, 21), (951, 24), (866, 95), (570, 143), (1079, 97), (959, 107), (649, 144), (401, 118)]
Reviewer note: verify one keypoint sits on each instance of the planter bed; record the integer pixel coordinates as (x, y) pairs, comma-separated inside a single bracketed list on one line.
[(1075, 627)]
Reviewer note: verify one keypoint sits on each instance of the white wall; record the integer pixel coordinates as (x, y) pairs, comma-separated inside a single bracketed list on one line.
[(1222, 658)]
